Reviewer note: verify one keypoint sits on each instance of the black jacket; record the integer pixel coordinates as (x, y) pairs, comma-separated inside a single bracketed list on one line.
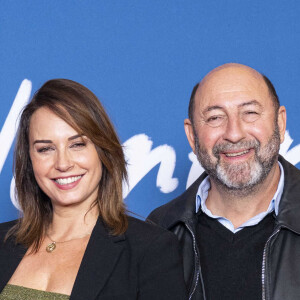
[(281, 257), (144, 263)]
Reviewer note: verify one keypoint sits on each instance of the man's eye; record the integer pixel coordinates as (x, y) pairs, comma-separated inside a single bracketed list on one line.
[(211, 119), (251, 113), (251, 116), (215, 121)]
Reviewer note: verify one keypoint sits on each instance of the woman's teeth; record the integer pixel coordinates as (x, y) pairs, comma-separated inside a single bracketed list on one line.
[(63, 181)]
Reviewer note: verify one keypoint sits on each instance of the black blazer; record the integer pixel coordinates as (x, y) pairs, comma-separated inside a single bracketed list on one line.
[(144, 263)]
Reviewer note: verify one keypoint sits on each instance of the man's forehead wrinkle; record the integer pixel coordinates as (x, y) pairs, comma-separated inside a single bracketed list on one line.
[(216, 98)]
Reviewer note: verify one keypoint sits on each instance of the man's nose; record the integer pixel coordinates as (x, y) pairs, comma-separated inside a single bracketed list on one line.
[(234, 130), (63, 161)]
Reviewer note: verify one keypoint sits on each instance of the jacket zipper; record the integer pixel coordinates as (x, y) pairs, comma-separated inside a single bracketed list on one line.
[(264, 297), (197, 262), (264, 264)]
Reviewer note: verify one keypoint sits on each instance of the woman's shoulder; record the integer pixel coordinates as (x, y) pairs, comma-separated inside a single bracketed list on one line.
[(5, 227)]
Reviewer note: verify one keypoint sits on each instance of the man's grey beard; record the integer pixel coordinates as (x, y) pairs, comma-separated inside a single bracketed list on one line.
[(240, 177)]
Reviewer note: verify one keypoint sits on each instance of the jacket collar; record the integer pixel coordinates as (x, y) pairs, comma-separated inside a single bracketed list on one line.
[(99, 260), (10, 257), (101, 255), (289, 207), (182, 209)]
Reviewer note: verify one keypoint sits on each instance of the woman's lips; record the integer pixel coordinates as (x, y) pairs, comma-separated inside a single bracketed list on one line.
[(66, 183)]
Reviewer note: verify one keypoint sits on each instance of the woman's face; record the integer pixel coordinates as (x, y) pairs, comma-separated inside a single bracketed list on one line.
[(65, 164)]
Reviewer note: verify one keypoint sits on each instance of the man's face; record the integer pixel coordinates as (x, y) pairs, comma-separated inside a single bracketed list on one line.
[(242, 175), (236, 130)]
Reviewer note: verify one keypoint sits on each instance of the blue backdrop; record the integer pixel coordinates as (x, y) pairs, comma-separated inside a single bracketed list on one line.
[(142, 58)]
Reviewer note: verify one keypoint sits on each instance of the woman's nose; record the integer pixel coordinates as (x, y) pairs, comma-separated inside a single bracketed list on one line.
[(63, 161)]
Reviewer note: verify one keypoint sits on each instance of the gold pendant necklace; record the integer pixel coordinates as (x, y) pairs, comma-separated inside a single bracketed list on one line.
[(52, 246)]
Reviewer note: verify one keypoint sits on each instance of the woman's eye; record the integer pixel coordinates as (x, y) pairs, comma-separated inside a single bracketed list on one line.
[(44, 149), (78, 145)]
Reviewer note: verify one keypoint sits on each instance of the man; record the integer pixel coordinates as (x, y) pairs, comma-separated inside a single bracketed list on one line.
[(239, 223)]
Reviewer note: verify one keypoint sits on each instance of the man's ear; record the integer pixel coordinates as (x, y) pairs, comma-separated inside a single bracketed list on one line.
[(188, 127), (281, 121)]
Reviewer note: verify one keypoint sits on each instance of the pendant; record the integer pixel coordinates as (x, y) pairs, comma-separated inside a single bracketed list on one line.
[(51, 247)]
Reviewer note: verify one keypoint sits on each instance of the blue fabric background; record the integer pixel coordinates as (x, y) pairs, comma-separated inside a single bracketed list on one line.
[(142, 59)]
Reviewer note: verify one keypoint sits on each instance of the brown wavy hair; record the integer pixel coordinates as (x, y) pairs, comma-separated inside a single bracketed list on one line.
[(81, 109)]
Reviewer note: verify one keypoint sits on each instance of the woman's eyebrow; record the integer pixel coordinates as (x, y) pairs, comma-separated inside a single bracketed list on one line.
[(73, 137), (42, 141)]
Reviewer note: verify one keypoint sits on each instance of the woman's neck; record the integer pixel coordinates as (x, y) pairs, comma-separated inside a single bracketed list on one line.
[(68, 223)]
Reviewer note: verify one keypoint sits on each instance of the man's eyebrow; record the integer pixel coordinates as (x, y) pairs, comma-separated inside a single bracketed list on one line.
[(252, 102), (74, 137), (210, 108)]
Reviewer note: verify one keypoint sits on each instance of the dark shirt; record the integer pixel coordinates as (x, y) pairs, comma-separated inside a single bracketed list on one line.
[(232, 263)]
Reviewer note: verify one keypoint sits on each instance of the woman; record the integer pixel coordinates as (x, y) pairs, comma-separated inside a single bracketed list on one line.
[(74, 240)]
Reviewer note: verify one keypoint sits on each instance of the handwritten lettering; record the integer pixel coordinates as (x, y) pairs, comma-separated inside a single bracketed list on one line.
[(141, 159)]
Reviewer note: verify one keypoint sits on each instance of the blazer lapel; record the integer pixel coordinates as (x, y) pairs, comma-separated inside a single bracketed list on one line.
[(10, 257), (98, 262)]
